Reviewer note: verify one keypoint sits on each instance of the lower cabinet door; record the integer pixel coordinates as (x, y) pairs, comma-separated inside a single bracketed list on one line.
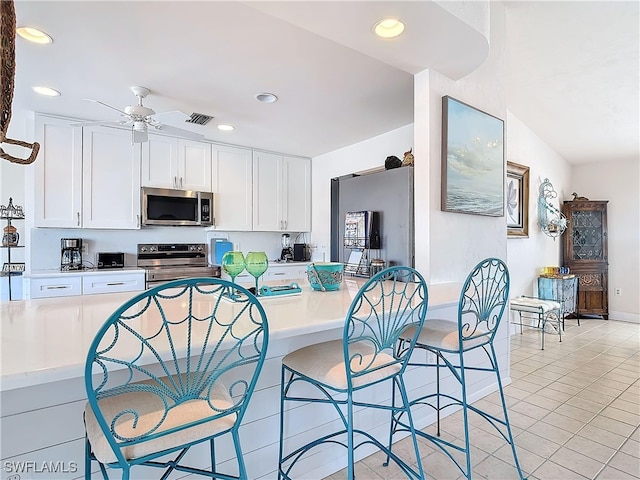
[(112, 283), (56, 287)]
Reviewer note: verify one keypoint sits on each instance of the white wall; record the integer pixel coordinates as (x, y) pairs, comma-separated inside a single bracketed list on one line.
[(619, 183), (355, 158), (526, 256)]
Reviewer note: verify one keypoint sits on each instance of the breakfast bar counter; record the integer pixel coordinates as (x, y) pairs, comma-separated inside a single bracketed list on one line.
[(46, 340), (44, 345)]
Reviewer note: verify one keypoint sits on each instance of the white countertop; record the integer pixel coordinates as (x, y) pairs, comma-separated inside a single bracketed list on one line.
[(76, 273), (46, 340)]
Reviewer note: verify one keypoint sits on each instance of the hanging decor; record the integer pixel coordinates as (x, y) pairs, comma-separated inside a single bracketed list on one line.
[(551, 220), (7, 75)]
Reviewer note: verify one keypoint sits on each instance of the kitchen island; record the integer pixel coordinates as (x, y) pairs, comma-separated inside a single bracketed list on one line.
[(44, 345)]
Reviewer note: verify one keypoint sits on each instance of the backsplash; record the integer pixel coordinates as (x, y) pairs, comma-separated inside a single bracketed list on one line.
[(45, 242)]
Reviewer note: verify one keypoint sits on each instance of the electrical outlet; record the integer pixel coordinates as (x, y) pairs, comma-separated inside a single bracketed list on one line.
[(618, 291), (85, 249)]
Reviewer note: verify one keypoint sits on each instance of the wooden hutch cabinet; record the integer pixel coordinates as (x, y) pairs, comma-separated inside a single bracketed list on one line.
[(585, 253)]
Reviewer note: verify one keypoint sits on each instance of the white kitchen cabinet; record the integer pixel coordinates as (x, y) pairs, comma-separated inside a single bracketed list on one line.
[(169, 162), (58, 173), (110, 179), (232, 187), (60, 286), (281, 193), (286, 272), (112, 283), (85, 177), (46, 284)]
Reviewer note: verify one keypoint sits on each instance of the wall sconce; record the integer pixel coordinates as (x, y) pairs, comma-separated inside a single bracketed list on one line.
[(551, 220)]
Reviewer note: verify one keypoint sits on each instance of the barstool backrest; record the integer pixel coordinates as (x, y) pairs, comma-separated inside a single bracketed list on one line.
[(482, 302), (183, 346), (383, 308)]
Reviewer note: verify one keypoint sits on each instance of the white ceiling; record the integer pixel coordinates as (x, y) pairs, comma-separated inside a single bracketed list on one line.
[(572, 67)]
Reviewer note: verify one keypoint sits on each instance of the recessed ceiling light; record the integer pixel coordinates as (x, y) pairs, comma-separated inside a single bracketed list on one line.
[(33, 35), (388, 28), (46, 91), (266, 97), (225, 127)]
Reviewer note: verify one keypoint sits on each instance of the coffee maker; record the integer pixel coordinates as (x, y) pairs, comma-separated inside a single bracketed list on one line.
[(287, 252), (71, 254)]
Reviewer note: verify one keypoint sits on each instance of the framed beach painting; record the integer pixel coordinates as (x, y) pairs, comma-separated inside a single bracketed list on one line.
[(517, 200), (472, 160)]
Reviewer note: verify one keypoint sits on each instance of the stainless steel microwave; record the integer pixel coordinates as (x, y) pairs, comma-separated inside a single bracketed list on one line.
[(164, 206)]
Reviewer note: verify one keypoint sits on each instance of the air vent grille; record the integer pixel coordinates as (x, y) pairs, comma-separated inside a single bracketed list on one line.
[(199, 119)]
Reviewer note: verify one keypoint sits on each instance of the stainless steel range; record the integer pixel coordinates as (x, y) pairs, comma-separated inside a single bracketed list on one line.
[(172, 261)]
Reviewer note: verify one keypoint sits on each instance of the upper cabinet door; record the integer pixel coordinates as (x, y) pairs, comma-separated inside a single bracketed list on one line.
[(176, 163), (297, 203), (267, 192), (58, 173), (111, 179), (194, 166), (160, 162), (232, 188)]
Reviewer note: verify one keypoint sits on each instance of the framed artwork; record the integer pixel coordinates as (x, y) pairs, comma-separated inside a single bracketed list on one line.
[(472, 160), (517, 200)]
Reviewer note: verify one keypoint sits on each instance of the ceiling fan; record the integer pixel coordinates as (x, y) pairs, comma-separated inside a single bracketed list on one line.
[(140, 118)]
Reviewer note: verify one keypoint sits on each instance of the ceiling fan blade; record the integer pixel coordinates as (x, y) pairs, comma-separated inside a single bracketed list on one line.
[(174, 116), (106, 123), (139, 136), (108, 106), (178, 131)]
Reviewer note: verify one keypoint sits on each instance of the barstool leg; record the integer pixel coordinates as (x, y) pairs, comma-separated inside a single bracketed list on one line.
[(438, 392), (350, 465), (465, 418), (212, 450), (282, 395)]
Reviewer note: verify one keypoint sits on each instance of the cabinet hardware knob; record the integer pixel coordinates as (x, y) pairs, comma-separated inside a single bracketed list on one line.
[(114, 283), (56, 287), (78, 214)]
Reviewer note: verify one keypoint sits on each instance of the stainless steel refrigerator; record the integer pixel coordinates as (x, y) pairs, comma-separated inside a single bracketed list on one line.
[(389, 194)]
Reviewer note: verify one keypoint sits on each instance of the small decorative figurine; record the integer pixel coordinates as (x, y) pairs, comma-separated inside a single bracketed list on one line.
[(408, 159), (576, 197), (392, 162)]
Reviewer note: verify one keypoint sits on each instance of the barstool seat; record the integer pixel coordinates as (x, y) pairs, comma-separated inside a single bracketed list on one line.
[(324, 362)]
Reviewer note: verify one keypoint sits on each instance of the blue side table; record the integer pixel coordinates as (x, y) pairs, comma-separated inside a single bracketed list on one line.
[(562, 289)]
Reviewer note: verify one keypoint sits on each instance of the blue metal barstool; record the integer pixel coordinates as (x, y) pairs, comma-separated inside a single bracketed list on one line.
[(171, 368), (379, 314), (482, 302)]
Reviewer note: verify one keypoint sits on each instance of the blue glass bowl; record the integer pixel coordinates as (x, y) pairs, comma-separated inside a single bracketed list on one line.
[(327, 273)]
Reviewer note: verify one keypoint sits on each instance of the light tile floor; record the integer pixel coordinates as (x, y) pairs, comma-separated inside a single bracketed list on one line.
[(574, 410)]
